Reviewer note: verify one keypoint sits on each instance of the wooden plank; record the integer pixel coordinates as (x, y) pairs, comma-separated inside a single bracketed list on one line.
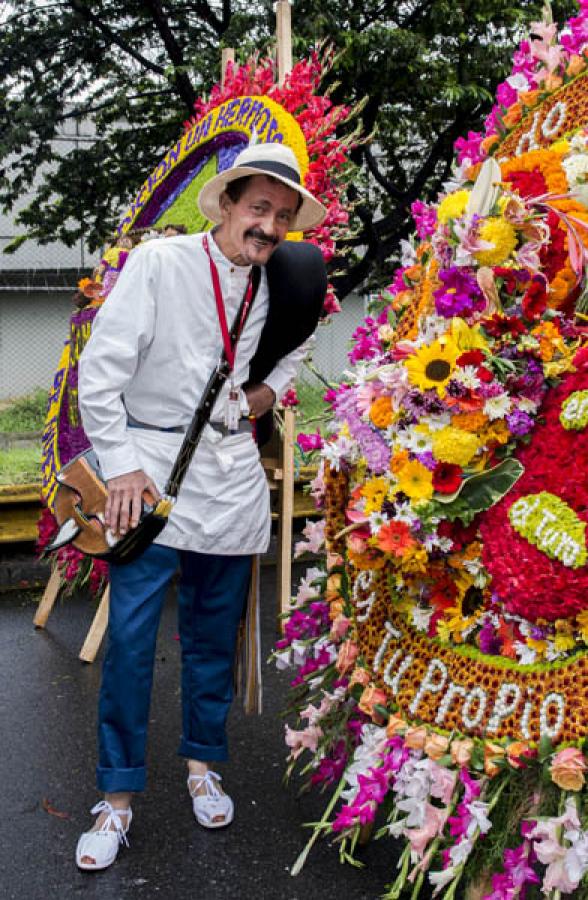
[(284, 39), (286, 507), (20, 493), (48, 599), (96, 631)]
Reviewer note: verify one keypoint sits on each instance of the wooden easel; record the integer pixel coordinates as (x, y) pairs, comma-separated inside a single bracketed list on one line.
[(279, 470)]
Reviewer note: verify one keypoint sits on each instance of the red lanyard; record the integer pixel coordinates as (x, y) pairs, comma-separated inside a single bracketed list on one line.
[(220, 307)]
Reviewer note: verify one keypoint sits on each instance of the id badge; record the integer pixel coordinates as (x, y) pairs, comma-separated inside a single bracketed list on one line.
[(233, 410)]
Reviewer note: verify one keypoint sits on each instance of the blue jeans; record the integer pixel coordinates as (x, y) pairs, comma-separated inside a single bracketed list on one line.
[(211, 600)]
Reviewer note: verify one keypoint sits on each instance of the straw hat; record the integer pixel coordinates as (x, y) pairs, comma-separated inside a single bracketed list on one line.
[(274, 160)]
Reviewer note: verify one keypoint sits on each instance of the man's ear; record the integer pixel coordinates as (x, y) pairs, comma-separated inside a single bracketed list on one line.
[(224, 202)]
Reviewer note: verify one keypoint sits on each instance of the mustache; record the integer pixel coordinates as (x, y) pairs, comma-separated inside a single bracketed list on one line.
[(258, 235)]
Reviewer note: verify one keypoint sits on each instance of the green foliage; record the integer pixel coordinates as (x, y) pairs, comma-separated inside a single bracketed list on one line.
[(312, 405), (25, 413), (20, 465), (127, 75)]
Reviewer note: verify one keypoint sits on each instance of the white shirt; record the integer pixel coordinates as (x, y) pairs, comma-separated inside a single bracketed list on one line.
[(155, 342)]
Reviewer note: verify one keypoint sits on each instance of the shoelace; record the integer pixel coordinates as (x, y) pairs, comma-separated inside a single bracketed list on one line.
[(210, 782), (113, 821)]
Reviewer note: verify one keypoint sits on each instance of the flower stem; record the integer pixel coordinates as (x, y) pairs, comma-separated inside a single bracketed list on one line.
[(318, 828)]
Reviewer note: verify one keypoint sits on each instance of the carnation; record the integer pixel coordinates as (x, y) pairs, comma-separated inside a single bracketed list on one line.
[(452, 445)]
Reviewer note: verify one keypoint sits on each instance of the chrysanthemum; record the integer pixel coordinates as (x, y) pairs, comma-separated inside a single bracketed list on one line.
[(431, 366), (453, 206), (416, 481), (452, 445), (502, 236)]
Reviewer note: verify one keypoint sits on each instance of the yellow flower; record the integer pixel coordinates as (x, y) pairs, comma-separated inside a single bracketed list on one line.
[(432, 366), (495, 433), (381, 412), (502, 236), (415, 480), (374, 491), (415, 560), (540, 647), (466, 337), (453, 206), (582, 623), (564, 642), (452, 445)]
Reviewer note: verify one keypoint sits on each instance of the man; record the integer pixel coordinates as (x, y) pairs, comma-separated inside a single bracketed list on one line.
[(154, 345)]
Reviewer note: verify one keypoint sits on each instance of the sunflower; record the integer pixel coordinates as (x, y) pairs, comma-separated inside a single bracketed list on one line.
[(432, 366)]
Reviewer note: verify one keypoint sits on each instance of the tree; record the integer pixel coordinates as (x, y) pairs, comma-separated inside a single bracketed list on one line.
[(131, 71)]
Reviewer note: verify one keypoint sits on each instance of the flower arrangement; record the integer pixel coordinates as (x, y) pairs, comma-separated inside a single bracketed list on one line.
[(443, 646)]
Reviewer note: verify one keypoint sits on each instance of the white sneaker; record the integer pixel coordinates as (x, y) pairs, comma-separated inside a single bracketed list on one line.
[(213, 804), (102, 845)]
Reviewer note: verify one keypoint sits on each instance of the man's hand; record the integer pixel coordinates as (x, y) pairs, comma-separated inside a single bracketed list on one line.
[(123, 506), (260, 398)]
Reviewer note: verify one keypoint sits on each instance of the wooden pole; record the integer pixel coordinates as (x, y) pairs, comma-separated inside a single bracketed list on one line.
[(48, 599), (96, 631), (286, 511), (284, 39), (227, 56)]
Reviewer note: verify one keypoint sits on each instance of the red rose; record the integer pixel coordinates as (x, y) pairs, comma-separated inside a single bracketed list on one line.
[(446, 478)]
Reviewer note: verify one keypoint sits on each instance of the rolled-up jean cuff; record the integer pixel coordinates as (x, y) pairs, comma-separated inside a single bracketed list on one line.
[(114, 781), (203, 752)]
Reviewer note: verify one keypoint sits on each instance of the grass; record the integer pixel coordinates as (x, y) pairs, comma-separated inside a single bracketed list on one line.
[(25, 413), (20, 465)]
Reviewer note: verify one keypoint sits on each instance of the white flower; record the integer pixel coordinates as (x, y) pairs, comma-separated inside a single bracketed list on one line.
[(283, 659), (460, 852), (526, 655), (404, 512), (440, 879), (415, 441), (518, 82), (306, 591), (498, 407), (467, 376), (576, 168), (527, 406), (415, 807), (421, 617), (342, 448), (408, 255), (435, 423), (478, 810)]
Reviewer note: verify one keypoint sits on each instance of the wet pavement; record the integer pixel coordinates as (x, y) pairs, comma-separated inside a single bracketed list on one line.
[(47, 760)]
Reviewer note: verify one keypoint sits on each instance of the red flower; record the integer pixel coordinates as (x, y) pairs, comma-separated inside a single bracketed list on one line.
[(535, 299), (395, 538), (484, 374), (446, 478), (498, 325), (471, 358), (581, 358)]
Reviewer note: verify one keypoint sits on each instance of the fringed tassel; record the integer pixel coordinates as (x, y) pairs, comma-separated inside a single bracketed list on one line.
[(248, 653)]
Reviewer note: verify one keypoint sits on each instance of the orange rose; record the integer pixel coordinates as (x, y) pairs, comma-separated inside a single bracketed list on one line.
[(371, 697), (567, 769), (359, 676), (529, 98), (461, 751), (515, 751), (348, 653), (333, 591), (512, 115), (489, 142), (396, 725), (415, 737), (575, 65), (336, 609), (436, 745), (492, 753), (333, 560), (553, 82)]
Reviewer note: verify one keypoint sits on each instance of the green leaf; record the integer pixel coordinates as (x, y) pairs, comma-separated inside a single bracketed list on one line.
[(480, 492)]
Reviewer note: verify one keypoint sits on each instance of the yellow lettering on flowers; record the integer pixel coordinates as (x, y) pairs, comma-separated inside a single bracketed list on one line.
[(552, 526)]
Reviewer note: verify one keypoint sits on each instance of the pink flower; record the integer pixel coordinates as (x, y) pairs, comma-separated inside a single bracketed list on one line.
[(434, 823), (303, 740), (443, 782)]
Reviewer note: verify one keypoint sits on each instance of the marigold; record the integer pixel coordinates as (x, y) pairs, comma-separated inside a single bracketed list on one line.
[(453, 206), (502, 236), (398, 461), (416, 481), (381, 412), (469, 421), (452, 445)]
